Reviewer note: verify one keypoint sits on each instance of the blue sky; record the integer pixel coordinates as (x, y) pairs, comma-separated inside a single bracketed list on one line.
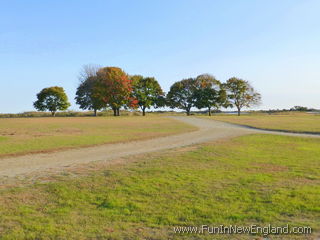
[(273, 44)]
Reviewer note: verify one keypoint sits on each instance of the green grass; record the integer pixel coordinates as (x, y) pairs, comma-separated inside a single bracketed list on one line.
[(25, 135), (256, 179), (290, 122)]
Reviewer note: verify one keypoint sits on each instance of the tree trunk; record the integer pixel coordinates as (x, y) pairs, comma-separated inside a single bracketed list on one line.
[(143, 111), (188, 112), (53, 114), (209, 111), (239, 111), (118, 111), (114, 111), (95, 112)]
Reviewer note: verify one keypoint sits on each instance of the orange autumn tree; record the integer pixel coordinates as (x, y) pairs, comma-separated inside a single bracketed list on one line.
[(115, 87)]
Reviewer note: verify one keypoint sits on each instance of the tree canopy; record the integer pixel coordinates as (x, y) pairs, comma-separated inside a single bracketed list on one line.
[(114, 87), (86, 96), (52, 99), (209, 93), (182, 94), (147, 91), (241, 93)]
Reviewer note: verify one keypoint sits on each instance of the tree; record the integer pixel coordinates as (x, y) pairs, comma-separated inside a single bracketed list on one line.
[(114, 88), (52, 99), (182, 94), (209, 93), (87, 97), (146, 91), (241, 94)]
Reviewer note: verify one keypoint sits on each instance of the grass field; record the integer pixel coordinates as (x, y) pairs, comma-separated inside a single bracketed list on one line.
[(256, 179), (290, 122), (25, 135)]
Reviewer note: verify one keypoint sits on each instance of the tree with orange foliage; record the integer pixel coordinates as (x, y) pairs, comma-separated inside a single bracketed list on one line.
[(115, 87)]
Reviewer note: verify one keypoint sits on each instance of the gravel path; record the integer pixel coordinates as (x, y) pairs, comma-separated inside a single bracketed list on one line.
[(209, 130)]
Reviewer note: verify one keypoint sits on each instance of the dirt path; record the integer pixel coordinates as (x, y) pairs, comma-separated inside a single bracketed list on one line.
[(209, 130)]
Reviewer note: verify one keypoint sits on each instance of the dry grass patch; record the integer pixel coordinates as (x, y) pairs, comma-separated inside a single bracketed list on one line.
[(294, 122), (26, 135)]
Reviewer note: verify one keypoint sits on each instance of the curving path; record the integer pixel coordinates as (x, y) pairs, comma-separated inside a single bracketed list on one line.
[(208, 130)]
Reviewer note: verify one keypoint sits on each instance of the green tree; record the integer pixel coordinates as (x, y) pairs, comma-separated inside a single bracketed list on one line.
[(147, 91), (182, 94), (300, 109), (210, 93), (87, 97), (52, 99), (114, 88), (241, 93)]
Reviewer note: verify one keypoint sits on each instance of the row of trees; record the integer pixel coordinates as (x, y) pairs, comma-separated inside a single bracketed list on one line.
[(103, 87), (112, 87)]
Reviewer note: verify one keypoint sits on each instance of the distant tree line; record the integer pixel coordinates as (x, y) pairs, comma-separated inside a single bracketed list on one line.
[(293, 109), (301, 109), (111, 87)]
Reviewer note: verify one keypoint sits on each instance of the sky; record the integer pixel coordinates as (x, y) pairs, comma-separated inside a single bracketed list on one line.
[(273, 44)]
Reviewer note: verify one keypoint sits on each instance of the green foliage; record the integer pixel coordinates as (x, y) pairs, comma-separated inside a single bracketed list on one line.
[(257, 179), (146, 91), (300, 109), (52, 99), (210, 93), (202, 92), (182, 94), (241, 93), (86, 96)]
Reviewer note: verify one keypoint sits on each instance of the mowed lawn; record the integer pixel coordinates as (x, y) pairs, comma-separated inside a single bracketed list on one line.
[(255, 179), (25, 135), (290, 122)]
